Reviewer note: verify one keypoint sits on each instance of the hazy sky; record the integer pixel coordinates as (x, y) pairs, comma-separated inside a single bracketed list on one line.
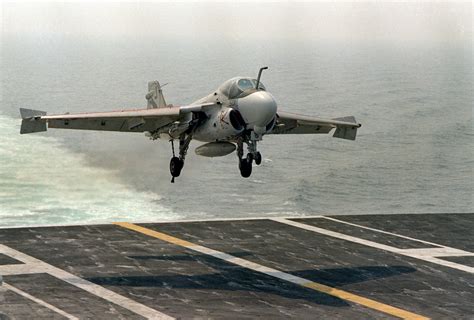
[(314, 21)]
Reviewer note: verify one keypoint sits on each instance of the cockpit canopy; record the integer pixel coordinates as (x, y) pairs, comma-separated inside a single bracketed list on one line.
[(235, 87)]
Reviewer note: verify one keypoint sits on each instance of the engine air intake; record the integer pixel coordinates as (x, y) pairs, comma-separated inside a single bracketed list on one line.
[(236, 120)]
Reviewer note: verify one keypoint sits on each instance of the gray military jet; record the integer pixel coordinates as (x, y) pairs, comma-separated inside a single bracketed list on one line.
[(241, 111)]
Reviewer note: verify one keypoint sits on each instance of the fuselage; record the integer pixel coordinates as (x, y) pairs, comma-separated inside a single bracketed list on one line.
[(240, 107)]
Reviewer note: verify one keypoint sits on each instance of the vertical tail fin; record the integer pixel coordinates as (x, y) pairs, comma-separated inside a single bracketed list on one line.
[(155, 96)]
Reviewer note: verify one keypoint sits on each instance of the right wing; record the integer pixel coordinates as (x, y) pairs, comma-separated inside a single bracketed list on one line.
[(293, 123), (139, 120)]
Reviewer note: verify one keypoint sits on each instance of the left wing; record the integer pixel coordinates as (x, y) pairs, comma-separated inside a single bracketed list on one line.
[(286, 123), (138, 120)]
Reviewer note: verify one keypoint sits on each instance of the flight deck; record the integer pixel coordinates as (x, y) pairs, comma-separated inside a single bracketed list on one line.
[(411, 266)]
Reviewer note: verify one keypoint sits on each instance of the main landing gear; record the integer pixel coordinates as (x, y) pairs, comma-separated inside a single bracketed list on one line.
[(245, 164), (177, 163)]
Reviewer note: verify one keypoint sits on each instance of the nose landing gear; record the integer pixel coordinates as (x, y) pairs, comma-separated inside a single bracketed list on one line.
[(245, 164)]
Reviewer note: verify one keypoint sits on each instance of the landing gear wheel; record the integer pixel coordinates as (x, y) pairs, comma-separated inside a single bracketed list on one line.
[(176, 164), (250, 157), (245, 166), (258, 158)]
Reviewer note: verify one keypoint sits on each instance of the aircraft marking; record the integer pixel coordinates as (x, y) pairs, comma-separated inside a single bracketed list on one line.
[(34, 265), (39, 301), (369, 303), (421, 254)]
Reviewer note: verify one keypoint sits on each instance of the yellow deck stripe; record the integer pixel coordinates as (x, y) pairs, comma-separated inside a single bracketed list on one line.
[(372, 304)]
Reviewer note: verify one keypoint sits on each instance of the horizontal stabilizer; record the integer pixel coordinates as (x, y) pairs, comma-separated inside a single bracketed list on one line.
[(32, 121), (346, 132), (28, 113), (347, 119)]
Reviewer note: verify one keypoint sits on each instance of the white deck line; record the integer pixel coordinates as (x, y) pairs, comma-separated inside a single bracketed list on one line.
[(405, 252), (39, 266), (39, 301), (442, 251), (385, 232), (15, 269), (158, 221), (322, 215), (439, 252), (248, 264)]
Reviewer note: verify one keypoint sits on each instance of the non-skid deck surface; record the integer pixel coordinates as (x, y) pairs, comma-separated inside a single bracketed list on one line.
[(328, 267)]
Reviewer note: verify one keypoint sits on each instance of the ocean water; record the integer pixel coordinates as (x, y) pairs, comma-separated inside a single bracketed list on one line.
[(413, 154)]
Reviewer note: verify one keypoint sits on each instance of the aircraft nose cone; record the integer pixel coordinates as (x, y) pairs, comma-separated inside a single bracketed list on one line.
[(257, 109)]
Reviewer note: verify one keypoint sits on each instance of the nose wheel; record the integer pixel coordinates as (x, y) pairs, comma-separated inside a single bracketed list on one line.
[(258, 158), (245, 164)]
